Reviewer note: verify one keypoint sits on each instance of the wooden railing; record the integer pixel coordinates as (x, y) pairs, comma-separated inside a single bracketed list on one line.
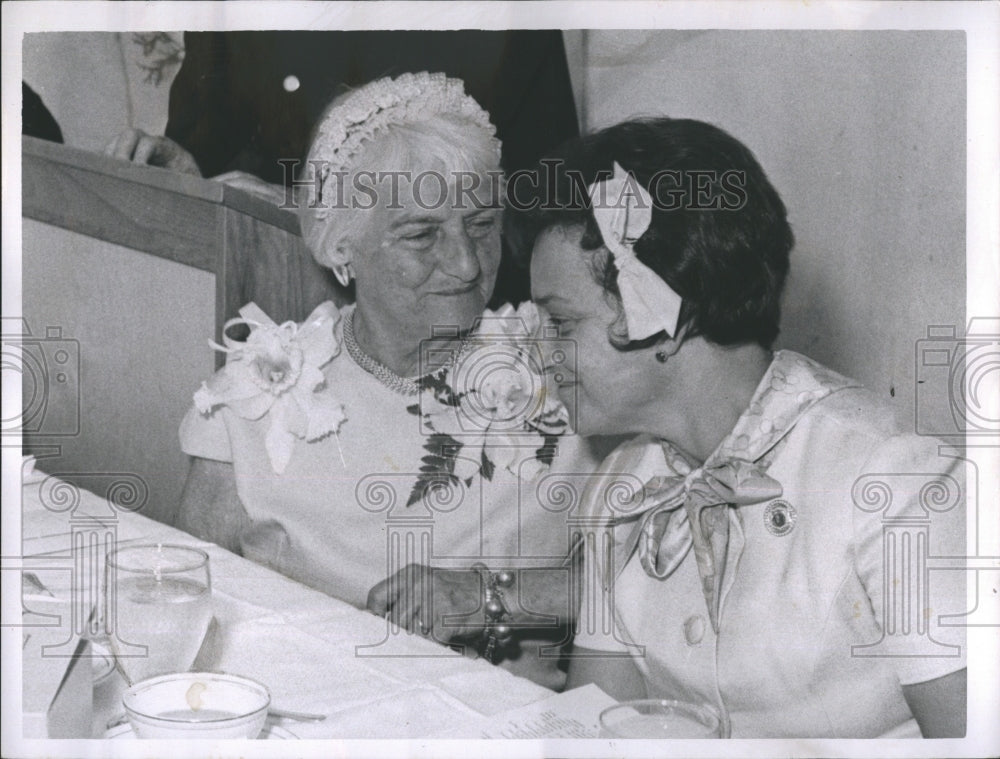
[(252, 247), (128, 271)]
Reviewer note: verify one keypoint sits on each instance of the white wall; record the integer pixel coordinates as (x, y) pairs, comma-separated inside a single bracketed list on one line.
[(863, 134)]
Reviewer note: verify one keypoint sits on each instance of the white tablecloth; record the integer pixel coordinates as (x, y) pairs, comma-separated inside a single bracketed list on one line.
[(315, 653)]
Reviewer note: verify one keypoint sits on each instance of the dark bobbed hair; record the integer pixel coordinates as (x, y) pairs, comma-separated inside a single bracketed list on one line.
[(719, 234)]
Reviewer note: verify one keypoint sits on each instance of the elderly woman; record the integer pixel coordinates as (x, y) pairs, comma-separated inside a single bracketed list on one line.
[(357, 449), (748, 571)]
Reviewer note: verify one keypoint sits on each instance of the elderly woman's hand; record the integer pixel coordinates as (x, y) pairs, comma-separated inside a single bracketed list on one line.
[(137, 146), (419, 598)]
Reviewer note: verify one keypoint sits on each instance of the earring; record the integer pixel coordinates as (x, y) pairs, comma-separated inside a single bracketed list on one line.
[(661, 356), (343, 273)]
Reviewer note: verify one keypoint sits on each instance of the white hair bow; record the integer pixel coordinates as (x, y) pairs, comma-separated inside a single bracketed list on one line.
[(623, 210)]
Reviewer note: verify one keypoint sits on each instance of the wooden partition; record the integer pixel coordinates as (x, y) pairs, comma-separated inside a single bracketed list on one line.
[(127, 272)]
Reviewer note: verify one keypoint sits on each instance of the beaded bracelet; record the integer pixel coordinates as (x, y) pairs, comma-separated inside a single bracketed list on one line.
[(497, 631)]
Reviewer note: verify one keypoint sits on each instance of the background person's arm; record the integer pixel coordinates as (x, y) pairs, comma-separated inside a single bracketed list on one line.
[(210, 125), (151, 150)]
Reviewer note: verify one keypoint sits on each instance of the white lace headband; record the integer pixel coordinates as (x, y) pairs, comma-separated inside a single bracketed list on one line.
[(623, 211), (368, 110)]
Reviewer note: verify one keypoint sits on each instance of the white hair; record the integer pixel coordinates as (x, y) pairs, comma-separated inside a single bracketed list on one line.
[(456, 143)]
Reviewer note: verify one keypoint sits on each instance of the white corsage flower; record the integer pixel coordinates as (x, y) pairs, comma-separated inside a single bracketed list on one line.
[(277, 372), (507, 380), (497, 407)]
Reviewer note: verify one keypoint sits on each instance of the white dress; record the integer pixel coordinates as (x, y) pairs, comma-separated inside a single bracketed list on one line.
[(822, 620)]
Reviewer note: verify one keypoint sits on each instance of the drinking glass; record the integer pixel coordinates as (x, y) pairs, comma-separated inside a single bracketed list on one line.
[(159, 605), (662, 718)]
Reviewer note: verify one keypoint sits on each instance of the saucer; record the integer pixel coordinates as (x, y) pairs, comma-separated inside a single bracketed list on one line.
[(270, 732)]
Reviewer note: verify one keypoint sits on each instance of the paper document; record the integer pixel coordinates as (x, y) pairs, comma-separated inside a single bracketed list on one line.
[(573, 714)]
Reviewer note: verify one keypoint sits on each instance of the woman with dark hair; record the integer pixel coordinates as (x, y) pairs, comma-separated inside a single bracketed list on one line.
[(747, 569)]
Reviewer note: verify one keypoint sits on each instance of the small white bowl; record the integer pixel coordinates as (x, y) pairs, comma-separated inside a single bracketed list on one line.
[(204, 705)]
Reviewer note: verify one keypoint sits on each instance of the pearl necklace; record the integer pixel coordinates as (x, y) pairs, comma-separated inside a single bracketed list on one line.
[(402, 385)]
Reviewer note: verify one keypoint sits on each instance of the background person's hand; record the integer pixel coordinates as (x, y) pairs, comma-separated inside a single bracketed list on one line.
[(138, 147), (418, 598)]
